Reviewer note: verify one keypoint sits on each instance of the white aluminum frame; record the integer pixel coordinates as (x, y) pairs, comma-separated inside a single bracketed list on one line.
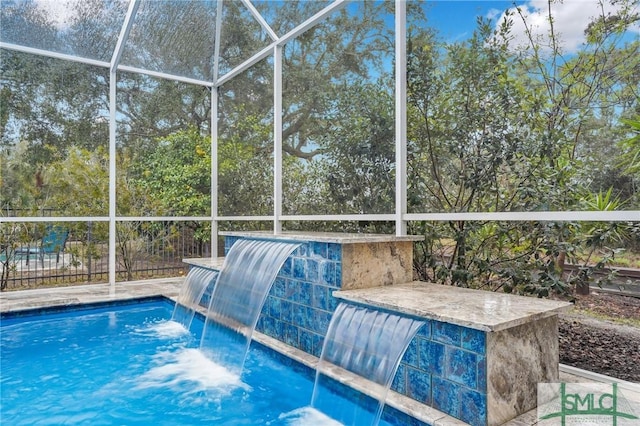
[(275, 48)]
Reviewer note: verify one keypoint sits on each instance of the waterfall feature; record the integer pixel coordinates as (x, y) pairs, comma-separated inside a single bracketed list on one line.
[(368, 343), (191, 292), (247, 274)]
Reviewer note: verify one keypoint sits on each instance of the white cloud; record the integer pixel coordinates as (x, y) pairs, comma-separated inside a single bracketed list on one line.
[(570, 19)]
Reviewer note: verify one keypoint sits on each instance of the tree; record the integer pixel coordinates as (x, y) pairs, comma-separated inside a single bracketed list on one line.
[(493, 129)]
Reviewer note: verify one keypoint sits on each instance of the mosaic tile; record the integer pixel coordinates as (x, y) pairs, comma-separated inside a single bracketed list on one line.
[(307, 341), (268, 326), (338, 276), (419, 385), (312, 270), (399, 383), (291, 335), (286, 311), (319, 249), (305, 293), (446, 333), (278, 330), (334, 252), (274, 305), (302, 250), (328, 273), (425, 330), (446, 396), (461, 367), (299, 268), (279, 287), (473, 409), (320, 297), (293, 291), (431, 357), (482, 374), (287, 268), (332, 301), (321, 321), (411, 354), (474, 340), (301, 316)]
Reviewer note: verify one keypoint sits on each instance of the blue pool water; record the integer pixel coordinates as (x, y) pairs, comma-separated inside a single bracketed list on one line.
[(130, 365)]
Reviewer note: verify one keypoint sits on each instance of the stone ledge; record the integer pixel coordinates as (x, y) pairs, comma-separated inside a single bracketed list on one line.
[(214, 263), (323, 237), (478, 309)]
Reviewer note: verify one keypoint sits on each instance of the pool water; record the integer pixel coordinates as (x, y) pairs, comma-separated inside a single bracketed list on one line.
[(130, 365)]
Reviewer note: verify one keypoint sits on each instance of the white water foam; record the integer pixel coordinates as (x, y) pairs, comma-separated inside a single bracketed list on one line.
[(168, 329), (189, 370), (307, 416), (163, 329)]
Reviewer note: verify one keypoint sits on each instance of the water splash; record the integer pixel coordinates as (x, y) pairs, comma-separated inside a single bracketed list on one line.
[(241, 289), (189, 371), (306, 416), (366, 342), (165, 329), (191, 292)]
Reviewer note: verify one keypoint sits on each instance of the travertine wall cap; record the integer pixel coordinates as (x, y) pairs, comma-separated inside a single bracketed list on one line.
[(214, 263), (478, 309), (323, 237)]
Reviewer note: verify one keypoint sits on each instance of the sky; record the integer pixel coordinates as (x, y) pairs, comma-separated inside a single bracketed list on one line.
[(456, 19)]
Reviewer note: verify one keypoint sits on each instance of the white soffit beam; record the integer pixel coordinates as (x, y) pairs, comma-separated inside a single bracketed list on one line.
[(157, 74), (260, 19), (54, 55), (124, 33)]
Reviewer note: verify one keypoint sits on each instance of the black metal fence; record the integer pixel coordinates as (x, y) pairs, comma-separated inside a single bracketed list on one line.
[(31, 257)]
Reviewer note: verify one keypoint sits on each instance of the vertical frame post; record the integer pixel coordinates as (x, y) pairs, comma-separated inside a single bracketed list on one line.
[(113, 80), (113, 110), (401, 115), (215, 91), (277, 139)]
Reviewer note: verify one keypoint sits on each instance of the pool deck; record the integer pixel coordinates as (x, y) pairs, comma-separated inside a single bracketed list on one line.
[(13, 301)]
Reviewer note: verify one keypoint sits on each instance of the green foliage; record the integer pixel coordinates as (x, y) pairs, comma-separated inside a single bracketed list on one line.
[(491, 128), (177, 173), (630, 159)]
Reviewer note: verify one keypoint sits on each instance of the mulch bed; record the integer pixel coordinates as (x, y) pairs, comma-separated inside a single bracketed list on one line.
[(598, 345)]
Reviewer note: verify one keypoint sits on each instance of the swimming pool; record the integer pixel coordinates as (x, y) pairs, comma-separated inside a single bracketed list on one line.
[(127, 364)]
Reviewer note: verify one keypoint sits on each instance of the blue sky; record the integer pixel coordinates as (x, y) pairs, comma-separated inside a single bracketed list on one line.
[(456, 19)]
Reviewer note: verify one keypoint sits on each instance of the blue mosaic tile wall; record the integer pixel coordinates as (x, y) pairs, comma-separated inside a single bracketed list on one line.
[(299, 306), (443, 367)]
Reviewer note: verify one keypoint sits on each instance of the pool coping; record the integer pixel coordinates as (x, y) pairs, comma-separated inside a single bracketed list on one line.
[(481, 310), (323, 237)]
